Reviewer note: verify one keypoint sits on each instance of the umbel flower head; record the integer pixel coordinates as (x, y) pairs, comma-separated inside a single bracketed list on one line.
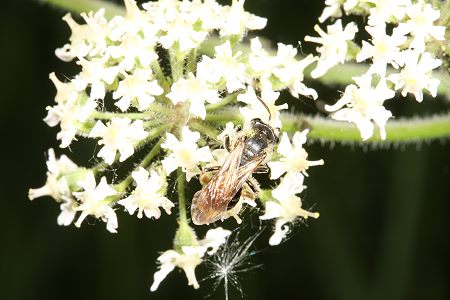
[(157, 85)]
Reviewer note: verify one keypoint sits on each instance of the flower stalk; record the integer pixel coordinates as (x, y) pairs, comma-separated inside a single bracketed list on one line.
[(181, 190)]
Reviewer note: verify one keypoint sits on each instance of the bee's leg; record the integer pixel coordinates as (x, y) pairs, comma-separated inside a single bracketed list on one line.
[(207, 174), (248, 193), (227, 143), (235, 200), (262, 169), (252, 188), (210, 169)]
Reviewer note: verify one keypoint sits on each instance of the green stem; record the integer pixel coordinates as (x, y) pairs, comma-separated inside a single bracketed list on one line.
[(225, 101), (402, 130), (153, 123), (100, 167), (205, 128), (328, 130), (105, 115), (80, 6), (225, 115), (123, 185), (176, 62), (191, 65), (160, 75), (181, 182), (152, 134), (155, 150)]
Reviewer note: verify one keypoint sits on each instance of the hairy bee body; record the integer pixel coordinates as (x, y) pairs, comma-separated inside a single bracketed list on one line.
[(251, 150)]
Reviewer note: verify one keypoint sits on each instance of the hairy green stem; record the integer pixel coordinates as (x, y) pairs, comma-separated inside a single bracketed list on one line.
[(159, 73), (205, 128), (225, 101), (327, 130), (181, 182), (191, 65), (123, 185), (225, 115), (106, 115), (100, 167), (154, 133), (397, 131), (176, 62)]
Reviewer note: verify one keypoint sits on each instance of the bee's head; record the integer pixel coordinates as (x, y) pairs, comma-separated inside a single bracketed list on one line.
[(259, 127)]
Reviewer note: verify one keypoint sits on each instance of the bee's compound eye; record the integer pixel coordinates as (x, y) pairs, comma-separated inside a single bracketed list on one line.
[(255, 122)]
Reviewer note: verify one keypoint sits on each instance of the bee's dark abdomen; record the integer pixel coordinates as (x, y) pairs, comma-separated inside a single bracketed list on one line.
[(254, 146)]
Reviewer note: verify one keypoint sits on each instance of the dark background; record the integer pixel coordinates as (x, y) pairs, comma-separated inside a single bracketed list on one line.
[(383, 232)]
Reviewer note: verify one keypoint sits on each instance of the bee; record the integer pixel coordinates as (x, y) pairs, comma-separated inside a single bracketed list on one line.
[(249, 154)]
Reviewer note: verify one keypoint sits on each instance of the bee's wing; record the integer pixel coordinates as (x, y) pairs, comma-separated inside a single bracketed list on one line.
[(245, 171), (210, 202)]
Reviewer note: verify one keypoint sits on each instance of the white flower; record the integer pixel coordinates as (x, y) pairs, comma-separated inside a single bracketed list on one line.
[(333, 8), (417, 74), (139, 86), (62, 173), (177, 24), (65, 91), (286, 206), (69, 115), (148, 196), (334, 45), (386, 11), (224, 66), (135, 22), (184, 33), (87, 39), (385, 49), (93, 202), (260, 61), (133, 49), (137, 36), (280, 71), (189, 257), (204, 14), (236, 21), (185, 153), (196, 90), (214, 238), (294, 158), (420, 25), (236, 209), (68, 212), (229, 131), (289, 70), (255, 109), (56, 185), (119, 135), (364, 103), (72, 109), (96, 74)]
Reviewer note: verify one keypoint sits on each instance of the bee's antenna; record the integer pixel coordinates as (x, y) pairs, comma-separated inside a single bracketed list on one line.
[(265, 105)]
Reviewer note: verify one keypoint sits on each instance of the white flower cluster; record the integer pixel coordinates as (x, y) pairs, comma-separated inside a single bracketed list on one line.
[(77, 191), (400, 31), (189, 257), (285, 206), (125, 97)]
